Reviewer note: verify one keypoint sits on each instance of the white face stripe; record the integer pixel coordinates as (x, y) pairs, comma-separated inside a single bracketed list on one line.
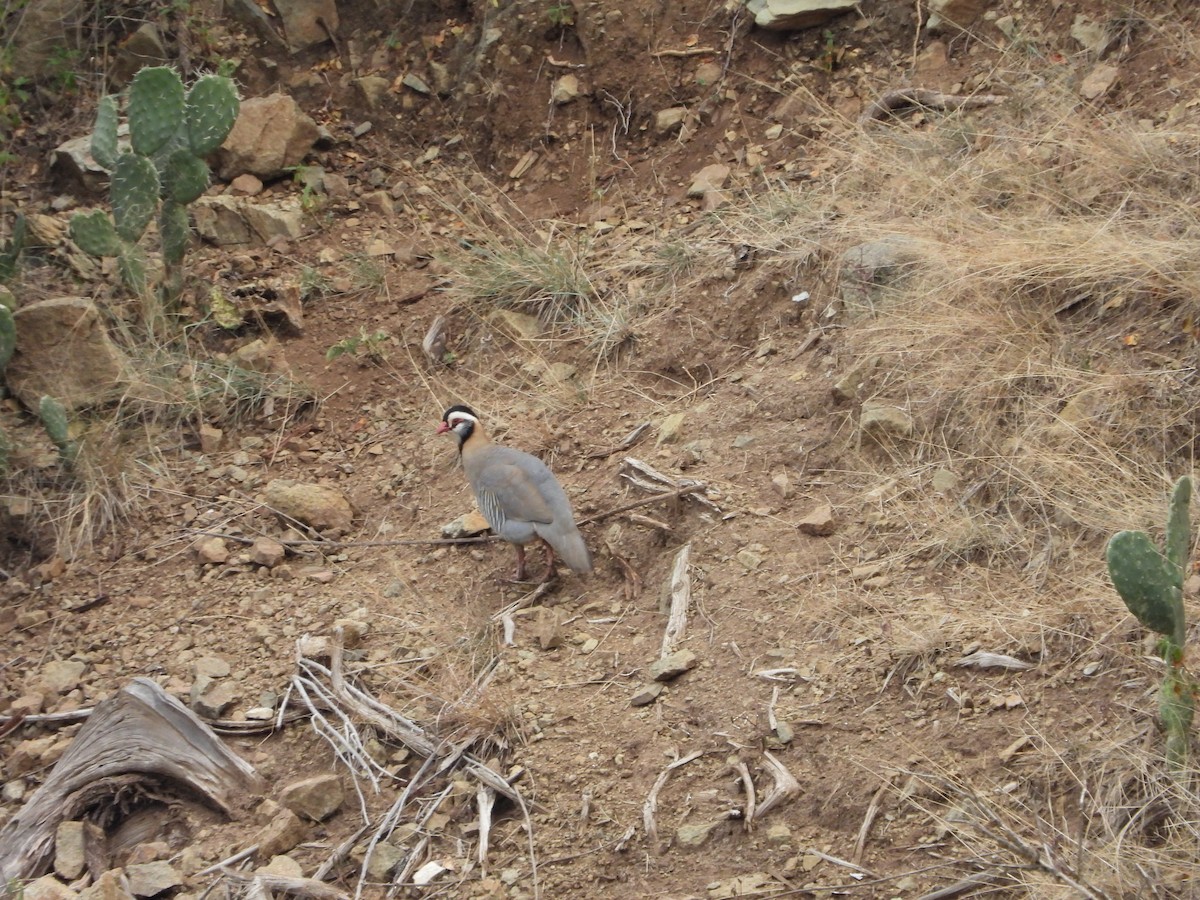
[(457, 417)]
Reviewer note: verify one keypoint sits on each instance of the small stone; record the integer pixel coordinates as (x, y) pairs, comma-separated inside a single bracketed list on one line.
[(211, 551), (267, 552), (353, 631), (415, 83), (69, 850), (669, 120), (374, 89), (283, 865), (565, 90), (111, 885), (782, 484), (1099, 81), (211, 666), (693, 836), (28, 704), (548, 629), (673, 665), (315, 798), (519, 325), (779, 833), (1191, 586), (46, 888), (210, 437), (646, 694), (61, 676), (281, 834), (710, 178), (879, 419), (669, 430), (749, 559), (819, 523), (742, 441), (708, 73), (385, 858), (153, 878), (210, 699)]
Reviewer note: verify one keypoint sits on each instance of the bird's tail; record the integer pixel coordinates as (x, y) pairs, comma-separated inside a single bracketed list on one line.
[(573, 551)]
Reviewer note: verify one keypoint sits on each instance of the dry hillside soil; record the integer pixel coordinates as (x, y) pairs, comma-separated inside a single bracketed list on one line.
[(842, 651)]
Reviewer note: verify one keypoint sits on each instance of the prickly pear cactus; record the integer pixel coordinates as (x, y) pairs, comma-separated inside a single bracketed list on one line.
[(8, 336), (54, 419), (10, 254), (171, 131), (1151, 584)]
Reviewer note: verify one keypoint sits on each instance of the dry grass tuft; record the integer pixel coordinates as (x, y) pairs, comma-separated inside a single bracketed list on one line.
[(1039, 327)]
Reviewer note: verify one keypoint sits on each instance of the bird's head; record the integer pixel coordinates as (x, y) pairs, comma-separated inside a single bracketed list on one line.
[(460, 420)]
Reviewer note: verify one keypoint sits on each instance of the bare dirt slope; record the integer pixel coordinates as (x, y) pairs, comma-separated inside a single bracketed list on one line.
[(843, 651)]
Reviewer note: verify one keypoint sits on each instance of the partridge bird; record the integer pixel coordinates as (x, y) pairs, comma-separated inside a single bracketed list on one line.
[(518, 495)]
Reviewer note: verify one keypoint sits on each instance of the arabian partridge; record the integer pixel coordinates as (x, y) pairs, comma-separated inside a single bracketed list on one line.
[(518, 495)]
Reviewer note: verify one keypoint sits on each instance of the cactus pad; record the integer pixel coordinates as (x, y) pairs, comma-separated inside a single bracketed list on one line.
[(94, 233), (185, 177), (1176, 708), (1179, 537), (212, 108), (173, 229), (8, 336), (11, 254), (104, 136), (131, 263), (1147, 581), (156, 102), (54, 419), (134, 195)]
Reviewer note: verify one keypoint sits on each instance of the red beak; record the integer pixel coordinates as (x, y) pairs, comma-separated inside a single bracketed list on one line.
[(442, 428)]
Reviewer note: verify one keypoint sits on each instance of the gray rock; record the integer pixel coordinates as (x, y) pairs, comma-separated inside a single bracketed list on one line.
[(142, 48), (282, 833), (273, 220), (711, 178), (271, 135), (669, 120), (219, 221), (881, 419), (73, 161), (211, 666), (953, 15), (819, 523), (307, 23), (211, 551), (152, 878), (646, 694), (70, 850), (793, 15), (46, 888), (315, 798), (385, 858), (267, 552), (320, 507), (670, 429), (673, 665), (111, 885), (565, 90), (210, 699), (61, 676), (374, 89), (415, 83), (64, 350), (691, 836)]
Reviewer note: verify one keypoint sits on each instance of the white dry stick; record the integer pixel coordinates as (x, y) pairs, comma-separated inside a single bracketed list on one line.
[(785, 787), (681, 598), (651, 804), (485, 799), (748, 786), (772, 722), (869, 820)]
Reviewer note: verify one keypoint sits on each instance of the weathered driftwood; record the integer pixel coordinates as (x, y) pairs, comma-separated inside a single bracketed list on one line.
[(139, 734)]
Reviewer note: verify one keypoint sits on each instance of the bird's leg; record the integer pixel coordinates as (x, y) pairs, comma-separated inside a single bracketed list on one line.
[(550, 572), (520, 576)]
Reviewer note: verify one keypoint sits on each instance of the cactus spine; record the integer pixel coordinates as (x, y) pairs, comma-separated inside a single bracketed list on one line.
[(1151, 584), (171, 131)]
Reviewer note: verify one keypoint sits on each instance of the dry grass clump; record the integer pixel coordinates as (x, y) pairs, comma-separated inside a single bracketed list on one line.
[(1041, 333)]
